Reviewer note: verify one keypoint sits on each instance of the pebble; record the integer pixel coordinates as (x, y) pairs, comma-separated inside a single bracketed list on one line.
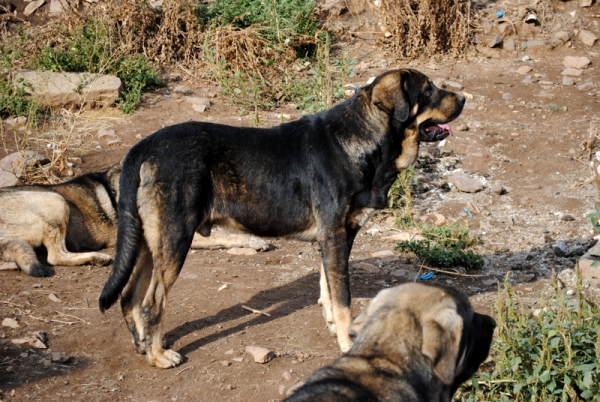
[(523, 70), (506, 96), (496, 41), (576, 62), (398, 272), (281, 389), (183, 89), (497, 188), (286, 375), (454, 84), (464, 183), (259, 354), (383, 254), (59, 357), (365, 266), (10, 322), (587, 37), (225, 363), (572, 72), (53, 297), (568, 81), (586, 86)]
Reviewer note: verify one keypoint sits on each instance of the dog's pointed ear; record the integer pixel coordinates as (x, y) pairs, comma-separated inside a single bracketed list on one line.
[(441, 342), (361, 319), (388, 94)]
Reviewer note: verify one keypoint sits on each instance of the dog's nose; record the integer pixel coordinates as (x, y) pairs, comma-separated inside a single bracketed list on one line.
[(460, 98)]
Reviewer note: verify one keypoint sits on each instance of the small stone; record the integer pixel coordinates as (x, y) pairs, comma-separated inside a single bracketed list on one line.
[(365, 266), (383, 254), (535, 45), (286, 375), (398, 272), (464, 183), (489, 282), (182, 89), (586, 86), (31, 7), (229, 352), (454, 85), (238, 359), (225, 363), (595, 250), (509, 45), (587, 38), (106, 133), (568, 81), (523, 70), (497, 188), (53, 297), (59, 357), (199, 108), (562, 36), (197, 100), (10, 322), (373, 231), (572, 72), (260, 355), (506, 96), (241, 251), (576, 62), (560, 248), (114, 141), (495, 41), (567, 218), (281, 389)]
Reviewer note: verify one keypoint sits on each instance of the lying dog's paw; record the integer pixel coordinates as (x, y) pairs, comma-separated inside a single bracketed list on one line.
[(102, 259), (345, 346), (39, 269)]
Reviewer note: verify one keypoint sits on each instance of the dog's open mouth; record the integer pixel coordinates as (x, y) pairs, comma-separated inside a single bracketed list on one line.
[(435, 132)]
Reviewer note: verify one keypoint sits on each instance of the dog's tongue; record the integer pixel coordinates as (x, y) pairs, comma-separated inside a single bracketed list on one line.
[(446, 127)]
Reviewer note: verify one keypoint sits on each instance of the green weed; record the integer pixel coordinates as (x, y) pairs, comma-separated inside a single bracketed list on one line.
[(400, 198), (552, 357), (88, 48), (554, 107)]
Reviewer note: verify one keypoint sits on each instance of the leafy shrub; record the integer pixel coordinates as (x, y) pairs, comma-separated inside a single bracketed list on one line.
[(88, 48), (552, 357)]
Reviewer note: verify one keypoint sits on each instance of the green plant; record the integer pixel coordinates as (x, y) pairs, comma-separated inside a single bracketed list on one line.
[(89, 48), (435, 255), (550, 355), (553, 107), (400, 197), (594, 218)]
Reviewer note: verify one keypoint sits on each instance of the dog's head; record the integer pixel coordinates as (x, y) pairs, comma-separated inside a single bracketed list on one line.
[(417, 106), (437, 323)]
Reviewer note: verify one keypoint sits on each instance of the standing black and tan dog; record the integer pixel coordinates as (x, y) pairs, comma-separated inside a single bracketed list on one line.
[(71, 220), (414, 343), (319, 178)]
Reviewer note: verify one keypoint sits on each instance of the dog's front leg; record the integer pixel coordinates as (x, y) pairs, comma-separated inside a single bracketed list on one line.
[(335, 288)]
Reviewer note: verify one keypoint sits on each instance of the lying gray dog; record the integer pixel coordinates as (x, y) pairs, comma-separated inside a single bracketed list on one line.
[(414, 342)]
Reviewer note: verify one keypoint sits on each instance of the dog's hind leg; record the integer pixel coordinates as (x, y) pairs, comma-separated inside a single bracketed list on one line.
[(325, 301), (23, 255), (133, 296)]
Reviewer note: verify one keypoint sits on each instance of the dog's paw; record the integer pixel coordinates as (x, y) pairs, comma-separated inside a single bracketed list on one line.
[(345, 346), (259, 244), (165, 359), (101, 259), (39, 269)]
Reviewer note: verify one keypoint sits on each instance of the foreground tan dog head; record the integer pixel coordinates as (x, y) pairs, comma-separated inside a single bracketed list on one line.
[(413, 342)]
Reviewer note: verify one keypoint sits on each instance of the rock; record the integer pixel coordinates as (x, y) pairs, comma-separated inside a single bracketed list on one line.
[(37, 339), (183, 89), (572, 72), (536, 45), (586, 86), (595, 250), (260, 355), (560, 248), (199, 108), (58, 7), (10, 322), (487, 27), (241, 251), (197, 100), (455, 85), (365, 266), (31, 7), (523, 70), (172, 77), (489, 282), (562, 36), (281, 389), (106, 132), (59, 357), (53, 297), (567, 277), (497, 188), (17, 162), (229, 352), (506, 96), (496, 41), (7, 179), (225, 363), (70, 89), (509, 45), (398, 272), (567, 218), (383, 254), (576, 62), (404, 236), (464, 183), (286, 375), (238, 359), (568, 81), (587, 270), (587, 38)]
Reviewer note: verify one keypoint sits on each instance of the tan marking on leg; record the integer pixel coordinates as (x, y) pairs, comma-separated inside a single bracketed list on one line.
[(343, 319), (325, 301)]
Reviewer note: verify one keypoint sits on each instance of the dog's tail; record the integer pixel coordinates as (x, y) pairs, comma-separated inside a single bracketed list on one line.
[(129, 233)]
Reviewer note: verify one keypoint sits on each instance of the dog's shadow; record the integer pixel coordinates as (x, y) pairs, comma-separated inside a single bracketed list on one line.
[(287, 298)]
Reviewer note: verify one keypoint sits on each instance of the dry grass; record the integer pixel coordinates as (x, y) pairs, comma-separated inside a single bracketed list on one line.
[(427, 27)]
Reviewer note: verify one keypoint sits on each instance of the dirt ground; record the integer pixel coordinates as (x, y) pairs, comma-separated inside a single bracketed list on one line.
[(529, 141)]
